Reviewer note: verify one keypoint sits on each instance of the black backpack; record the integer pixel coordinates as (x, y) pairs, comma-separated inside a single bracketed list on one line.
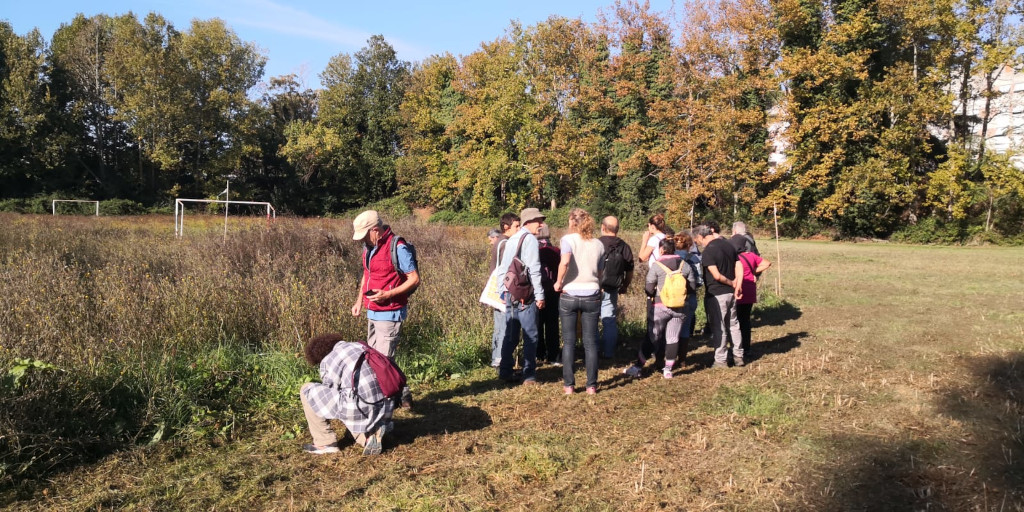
[(517, 278), (614, 268)]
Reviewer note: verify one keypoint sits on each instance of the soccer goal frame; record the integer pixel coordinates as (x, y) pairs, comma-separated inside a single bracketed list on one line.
[(53, 205), (179, 211)]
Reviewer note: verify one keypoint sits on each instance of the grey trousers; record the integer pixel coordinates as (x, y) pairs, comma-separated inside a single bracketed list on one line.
[(722, 315), (382, 335)]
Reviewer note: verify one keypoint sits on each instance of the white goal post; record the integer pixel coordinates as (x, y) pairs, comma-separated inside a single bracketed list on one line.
[(179, 211), (53, 205)]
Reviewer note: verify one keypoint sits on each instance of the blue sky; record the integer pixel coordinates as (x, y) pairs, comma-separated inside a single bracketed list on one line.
[(301, 36)]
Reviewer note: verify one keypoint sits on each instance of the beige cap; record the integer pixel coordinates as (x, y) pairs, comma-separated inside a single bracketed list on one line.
[(530, 214), (363, 223)]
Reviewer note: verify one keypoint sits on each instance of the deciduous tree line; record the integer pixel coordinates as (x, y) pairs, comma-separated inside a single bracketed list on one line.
[(637, 112)]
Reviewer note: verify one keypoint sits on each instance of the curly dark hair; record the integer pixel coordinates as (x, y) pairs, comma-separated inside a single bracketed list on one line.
[(317, 348)]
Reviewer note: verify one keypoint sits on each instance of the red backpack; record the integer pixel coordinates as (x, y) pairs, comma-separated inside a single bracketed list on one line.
[(389, 376)]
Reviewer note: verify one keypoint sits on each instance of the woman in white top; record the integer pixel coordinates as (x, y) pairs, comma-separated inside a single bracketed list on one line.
[(579, 277), (649, 252), (652, 237)]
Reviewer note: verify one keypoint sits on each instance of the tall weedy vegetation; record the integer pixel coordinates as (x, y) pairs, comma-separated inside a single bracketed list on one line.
[(114, 333)]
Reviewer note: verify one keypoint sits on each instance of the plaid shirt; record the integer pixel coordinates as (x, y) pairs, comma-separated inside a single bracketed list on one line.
[(362, 408)]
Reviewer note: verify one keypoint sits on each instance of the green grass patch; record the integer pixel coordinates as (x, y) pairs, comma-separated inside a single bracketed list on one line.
[(763, 407)]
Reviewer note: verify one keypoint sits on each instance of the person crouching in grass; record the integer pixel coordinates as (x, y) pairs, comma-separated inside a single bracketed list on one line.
[(345, 393)]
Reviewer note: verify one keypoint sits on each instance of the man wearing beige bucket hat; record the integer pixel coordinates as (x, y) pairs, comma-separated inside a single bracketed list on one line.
[(390, 275), (524, 300)]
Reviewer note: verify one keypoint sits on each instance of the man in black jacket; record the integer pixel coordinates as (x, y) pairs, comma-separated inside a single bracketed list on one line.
[(618, 273)]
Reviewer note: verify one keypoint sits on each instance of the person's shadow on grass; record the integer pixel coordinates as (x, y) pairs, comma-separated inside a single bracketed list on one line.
[(431, 417), (696, 361), (775, 314)]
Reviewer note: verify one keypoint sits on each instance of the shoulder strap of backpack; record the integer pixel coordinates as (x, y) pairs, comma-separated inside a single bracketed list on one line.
[(356, 369), (497, 251), (394, 252), (663, 267), (749, 265), (519, 248)]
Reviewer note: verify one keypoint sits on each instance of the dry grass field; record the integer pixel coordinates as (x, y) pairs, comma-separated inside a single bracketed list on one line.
[(886, 377)]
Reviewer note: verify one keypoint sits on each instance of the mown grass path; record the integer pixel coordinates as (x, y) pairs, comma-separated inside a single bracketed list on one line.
[(889, 379)]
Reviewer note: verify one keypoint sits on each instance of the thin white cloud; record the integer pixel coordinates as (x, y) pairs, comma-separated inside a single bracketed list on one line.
[(274, 17)]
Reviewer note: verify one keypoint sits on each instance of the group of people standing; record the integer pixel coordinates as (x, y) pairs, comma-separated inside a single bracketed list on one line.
[(574, 285), (578, 283)]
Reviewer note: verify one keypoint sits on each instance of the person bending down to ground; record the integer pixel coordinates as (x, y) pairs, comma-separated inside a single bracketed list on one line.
[(345, 393)]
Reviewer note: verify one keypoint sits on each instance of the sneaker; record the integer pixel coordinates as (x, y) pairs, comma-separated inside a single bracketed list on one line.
[(531, 382), (374, 442), (591, 390), (667, 373), (407, 403), (719, 365), (740, 363), (568, 390), (632, 371), (320, 450)]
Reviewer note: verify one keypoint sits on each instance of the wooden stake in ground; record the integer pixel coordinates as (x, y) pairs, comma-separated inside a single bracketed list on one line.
[(778, 252)]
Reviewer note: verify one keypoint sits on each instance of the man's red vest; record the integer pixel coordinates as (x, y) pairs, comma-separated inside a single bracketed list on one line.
[(382, 275)]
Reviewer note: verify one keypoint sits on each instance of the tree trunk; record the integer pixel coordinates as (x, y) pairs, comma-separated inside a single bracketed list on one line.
[(965, 96)]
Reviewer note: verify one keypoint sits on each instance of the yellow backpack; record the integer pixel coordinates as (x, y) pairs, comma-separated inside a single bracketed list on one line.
[(673, 293)]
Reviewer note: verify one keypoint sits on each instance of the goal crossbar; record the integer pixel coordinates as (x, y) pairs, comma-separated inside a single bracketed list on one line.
[(53, 205), (179, 210)]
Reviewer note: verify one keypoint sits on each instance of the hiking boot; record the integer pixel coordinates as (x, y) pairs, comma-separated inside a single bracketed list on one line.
[(591, 390), (568, 390), (632, 371), (320, 450)]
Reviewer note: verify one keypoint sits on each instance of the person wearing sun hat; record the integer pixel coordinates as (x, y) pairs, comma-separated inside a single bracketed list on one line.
[(521, 315), (385, 287)]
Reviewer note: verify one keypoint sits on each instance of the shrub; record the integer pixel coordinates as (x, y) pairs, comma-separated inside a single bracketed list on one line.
[(390, 209), (932, 230), (462, 218), (121, 207)]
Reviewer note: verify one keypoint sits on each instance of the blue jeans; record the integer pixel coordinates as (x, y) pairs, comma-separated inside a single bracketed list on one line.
[(609, 323), (589, 308), (519, 317), (498, 337)]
